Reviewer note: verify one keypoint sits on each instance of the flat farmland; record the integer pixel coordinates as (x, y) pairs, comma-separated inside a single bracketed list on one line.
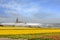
[(23, 33), (24, 30)]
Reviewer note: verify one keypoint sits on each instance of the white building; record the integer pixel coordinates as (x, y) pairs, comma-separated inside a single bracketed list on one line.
[(19, 23)]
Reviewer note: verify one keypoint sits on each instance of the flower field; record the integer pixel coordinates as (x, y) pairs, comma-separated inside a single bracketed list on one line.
[(20, 30), (30, 33)]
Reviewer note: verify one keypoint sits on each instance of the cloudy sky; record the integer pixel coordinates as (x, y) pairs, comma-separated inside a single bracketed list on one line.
[(42, 11)]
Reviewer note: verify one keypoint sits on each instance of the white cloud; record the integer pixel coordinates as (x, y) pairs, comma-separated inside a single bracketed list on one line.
[(23, 9)]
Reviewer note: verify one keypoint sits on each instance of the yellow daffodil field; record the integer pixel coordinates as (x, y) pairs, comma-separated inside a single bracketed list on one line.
[(23, 33), (23, 30)]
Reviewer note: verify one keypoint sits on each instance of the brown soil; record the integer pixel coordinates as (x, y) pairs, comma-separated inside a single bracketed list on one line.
[(11, 39)]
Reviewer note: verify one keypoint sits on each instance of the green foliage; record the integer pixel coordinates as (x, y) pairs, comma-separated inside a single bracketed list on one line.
[(41, 39), (30, 36)]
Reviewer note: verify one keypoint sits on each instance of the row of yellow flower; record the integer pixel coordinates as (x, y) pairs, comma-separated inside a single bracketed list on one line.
[(19, 30)]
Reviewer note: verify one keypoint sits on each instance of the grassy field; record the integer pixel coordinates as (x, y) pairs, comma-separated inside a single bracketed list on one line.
[(40, 36)]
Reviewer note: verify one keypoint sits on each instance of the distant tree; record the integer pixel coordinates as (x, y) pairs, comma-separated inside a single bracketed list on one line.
[(1, 24), (29, 26), (49, 26)]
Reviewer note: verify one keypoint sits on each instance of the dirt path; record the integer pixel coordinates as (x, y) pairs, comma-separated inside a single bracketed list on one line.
[(11, 39)]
